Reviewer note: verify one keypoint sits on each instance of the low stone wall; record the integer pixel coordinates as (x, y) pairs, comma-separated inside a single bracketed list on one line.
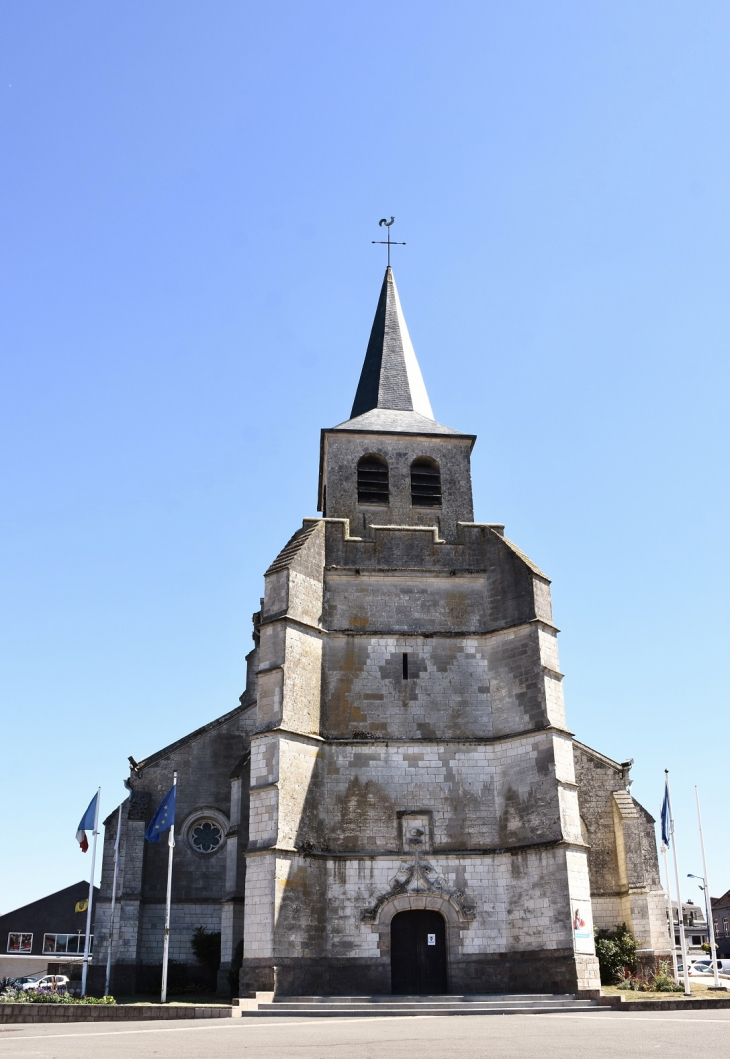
[(108, 1012), (619, 1003)]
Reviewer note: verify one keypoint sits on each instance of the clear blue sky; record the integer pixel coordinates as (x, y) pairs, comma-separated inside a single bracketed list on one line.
[(188, 196)]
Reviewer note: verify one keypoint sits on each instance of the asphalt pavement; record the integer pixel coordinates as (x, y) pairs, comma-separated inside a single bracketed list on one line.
[(585, 1036)]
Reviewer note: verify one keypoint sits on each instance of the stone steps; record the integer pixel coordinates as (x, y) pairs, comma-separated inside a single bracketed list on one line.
[(379, 1006)]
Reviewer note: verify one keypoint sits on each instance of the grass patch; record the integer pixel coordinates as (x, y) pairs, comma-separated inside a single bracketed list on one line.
[(191, 999), (699, 991)]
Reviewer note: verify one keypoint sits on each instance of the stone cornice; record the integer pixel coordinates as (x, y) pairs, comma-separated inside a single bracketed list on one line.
[(466, 741), (436, 854), (464, 635), (289, 733), (283, 615)]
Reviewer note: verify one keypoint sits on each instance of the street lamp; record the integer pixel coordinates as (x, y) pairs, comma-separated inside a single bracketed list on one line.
[(703, 887), (710, 931)]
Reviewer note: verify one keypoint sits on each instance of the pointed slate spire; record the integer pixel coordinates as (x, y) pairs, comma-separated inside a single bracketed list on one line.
[(390, 377)]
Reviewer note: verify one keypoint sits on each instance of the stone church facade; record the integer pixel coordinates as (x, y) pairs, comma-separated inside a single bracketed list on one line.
[(397, 804)]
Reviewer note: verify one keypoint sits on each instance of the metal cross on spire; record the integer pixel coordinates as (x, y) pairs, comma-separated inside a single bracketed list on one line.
[(387, 242)]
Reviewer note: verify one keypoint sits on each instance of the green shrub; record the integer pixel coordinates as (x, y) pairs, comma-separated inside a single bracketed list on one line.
[(616, 952), (207, 948), (664, 982), (11, 995)]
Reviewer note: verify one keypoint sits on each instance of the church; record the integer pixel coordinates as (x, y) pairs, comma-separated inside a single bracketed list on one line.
[(397, 804)]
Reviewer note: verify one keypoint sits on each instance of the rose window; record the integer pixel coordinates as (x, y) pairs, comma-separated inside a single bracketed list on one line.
[(206, 836)]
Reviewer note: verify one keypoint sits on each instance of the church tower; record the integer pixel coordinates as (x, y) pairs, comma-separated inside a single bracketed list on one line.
[(414, 823)]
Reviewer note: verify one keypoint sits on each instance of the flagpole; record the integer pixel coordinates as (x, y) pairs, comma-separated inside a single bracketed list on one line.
[(85, 970), (670, 917), (166, 944), (114, 901), (680, 917), (708, 898)]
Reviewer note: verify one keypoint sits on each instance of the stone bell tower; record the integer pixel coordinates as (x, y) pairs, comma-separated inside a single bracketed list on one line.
[(414, 820)]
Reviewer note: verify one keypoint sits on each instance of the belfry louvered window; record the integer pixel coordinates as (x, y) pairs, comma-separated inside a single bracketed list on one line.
[(425, 483), (372, 481)]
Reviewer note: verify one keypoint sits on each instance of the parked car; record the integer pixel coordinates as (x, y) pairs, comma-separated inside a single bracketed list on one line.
[(28, 982), (709, 979), (705, 967), (44, 983)]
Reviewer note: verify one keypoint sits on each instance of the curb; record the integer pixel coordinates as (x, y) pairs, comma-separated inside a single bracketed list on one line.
[(108, 1013), (619, 1003)]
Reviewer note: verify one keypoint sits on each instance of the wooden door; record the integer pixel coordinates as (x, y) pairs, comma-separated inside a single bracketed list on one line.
[(418, 953)]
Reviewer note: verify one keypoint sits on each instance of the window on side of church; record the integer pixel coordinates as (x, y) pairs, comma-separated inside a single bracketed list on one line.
[(206, 836), (425, 483), (372, 480)]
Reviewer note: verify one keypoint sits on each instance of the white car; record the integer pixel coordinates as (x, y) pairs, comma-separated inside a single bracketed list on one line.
[(705, 967), (691, 961), (709, 979), (44, 983), (28, 982)]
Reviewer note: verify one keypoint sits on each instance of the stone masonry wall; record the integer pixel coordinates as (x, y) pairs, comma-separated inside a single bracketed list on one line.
[(622, 857), (522, 901), (480, 796), (184, 917), (457, 687), (343, 450)]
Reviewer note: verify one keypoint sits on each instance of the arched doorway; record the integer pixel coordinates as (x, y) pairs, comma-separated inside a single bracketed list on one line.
[(418, 953)]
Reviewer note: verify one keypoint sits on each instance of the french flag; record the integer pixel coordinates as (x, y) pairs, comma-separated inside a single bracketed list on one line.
[(88, 823)]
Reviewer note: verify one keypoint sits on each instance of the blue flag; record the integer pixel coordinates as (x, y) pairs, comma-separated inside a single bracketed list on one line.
[(666, 818), (163, 818)]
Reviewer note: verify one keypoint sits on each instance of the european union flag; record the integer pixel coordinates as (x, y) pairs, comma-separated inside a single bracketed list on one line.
[(164, 818)]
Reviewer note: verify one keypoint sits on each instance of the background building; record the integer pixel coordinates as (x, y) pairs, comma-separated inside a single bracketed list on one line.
[(721, 918), (46, 935), (695, 926)]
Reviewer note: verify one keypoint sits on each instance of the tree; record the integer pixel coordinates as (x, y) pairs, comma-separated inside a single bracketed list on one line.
[(207, 947), (616, 952)]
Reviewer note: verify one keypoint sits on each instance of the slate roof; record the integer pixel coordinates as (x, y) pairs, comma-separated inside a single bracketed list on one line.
[(292, 547), (391, 396), (390, 377), (390, 420)]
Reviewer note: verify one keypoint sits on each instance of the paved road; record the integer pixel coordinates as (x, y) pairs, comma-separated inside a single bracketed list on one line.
[(669, 1035)]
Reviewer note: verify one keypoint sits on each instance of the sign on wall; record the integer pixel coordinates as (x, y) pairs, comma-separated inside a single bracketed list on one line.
[(583, 931)]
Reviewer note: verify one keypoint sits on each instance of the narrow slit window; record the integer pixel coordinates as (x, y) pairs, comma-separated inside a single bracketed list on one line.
[(405, 665), (425, 483), (372, 481)]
